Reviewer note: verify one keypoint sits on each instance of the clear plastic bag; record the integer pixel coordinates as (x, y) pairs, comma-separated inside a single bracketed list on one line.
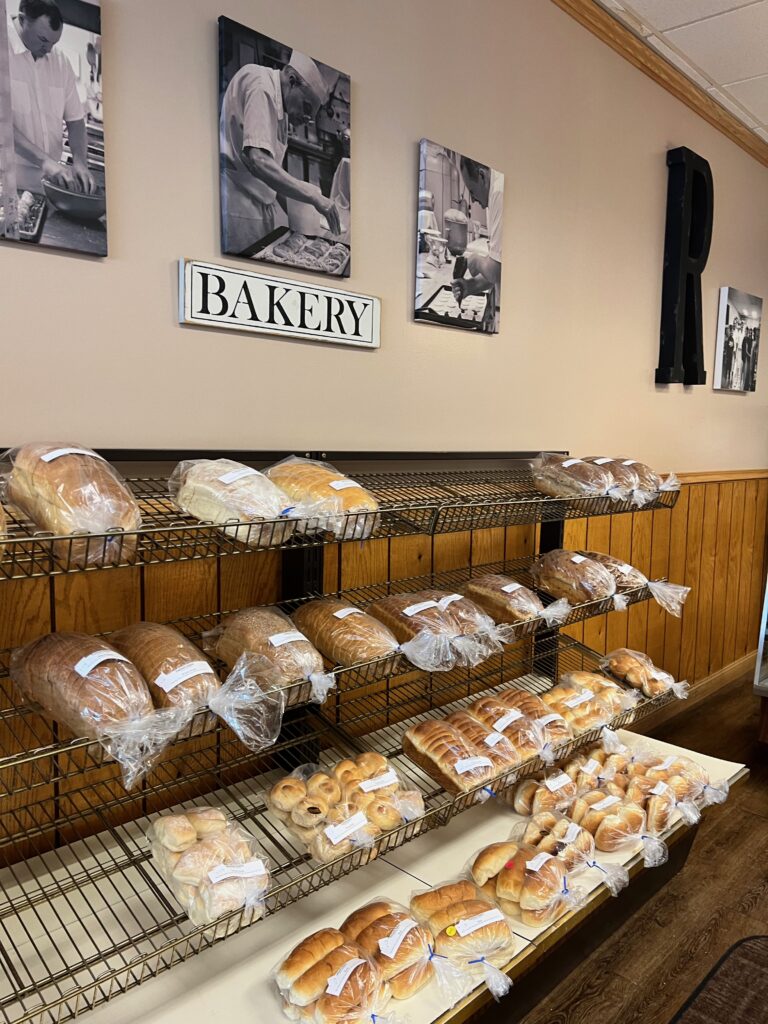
[(285, 656), (585, 702), (242, 502), (563, 477), (555, 792), (251, 701), (504, 599), (539, 730), (212, 864), (573, 577), (470, 931), (670, 596), (617, 824), (447, 756), (94, 691), (65, 489), (625, 479), (344, 634), (338, 505), (438, 631), (637, 670)]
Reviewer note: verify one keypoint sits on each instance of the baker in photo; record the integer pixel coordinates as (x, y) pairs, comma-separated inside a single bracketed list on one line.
[(256, 109), (45, 99), (483, 266)]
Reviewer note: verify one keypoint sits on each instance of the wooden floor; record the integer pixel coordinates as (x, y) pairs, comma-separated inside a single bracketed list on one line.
[(646, 970)]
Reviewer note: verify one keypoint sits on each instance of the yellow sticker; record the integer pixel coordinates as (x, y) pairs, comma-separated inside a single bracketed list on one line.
[(451, 930)]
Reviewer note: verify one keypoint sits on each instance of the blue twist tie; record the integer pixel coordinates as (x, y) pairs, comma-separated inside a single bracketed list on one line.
[(566, 890), (594, 864), (287, 510), (487, 789), (480, 960), (433, 955)]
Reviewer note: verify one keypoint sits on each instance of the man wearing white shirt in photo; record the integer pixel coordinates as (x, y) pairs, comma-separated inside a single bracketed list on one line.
[(44, 98), (255, 112), (486, 187)]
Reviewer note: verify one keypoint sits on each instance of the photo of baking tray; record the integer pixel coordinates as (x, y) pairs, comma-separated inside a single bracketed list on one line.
[(306, 252), (32, 211), (442, 308)]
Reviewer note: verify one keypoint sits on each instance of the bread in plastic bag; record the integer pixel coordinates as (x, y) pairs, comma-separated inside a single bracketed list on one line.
[(470, 931), (212, 864), (617, 824), (569, 575), (562, 477), (671, 596), (340, 506), (268, 633), (84, 684), (438, 631), (346, 635), (540, 728), (245, 504), (625, 480), (65, 490), (501, 750), (447, 756), (637, 670)]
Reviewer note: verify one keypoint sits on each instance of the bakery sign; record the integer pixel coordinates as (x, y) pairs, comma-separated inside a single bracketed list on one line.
[(216, 296)]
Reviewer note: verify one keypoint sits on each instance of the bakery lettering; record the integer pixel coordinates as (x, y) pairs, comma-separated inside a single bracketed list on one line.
[(225, 297)]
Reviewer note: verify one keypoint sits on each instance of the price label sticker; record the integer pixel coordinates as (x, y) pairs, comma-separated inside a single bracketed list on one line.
[(570, 462), (338, 833), (473, 924), (168, 681), (538, 862), (580, 698), (338, 980), (660, 789), (629, 462), (87, 664), (289, 637), (387, 779), (666, 764), (624, 569), (450, 930), (444, 602), (238, 474), (603, 805), (492, 739), (344, 613), (513, 715), (549, 719), (390, 944), (592, 767), (603, 462), (470, 764), (252, 869), (578, 559), (572, 833), (422, 606), (57, 454), (512, 587), (557, 782), (342, 485)]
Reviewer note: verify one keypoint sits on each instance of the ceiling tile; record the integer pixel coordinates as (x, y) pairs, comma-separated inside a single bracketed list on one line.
[(729, 47), (754, 96), (725, 100), (674, 58), (664, 14)]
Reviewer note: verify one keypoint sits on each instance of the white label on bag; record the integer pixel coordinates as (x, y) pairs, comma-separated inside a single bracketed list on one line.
[(390, 944), (506, 720), (387, 779), (512, 587), (608, 801), (70, 451), (557, 782), (629, 462), (548, 719), (591, 767), (278, 639), (249, 870), (578, 558), (624, 569), (572, 833), (338, 980), (538, 862), (660, 789), (87, 664), (580, 698), (602, 462), (665, 765), (445, 601), (414, 609), (168, 680), (468, 764), (343, 613), (238, 474), (473, 924), (492, 739), (570, 462), (336, 833), (342, 485)]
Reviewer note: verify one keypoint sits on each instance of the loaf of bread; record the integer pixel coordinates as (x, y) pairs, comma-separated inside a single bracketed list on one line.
[(466, 927), (304, 956), (269, 633), (582, 683), (495, 745), (176, 672), (540, 726), (554, 793), (65, 489), (504, 599), (447, 756), (328, 501), (648, 480), (625, 576), (222, 492), (563, 477), (625, 479), (397, 944), (81, 682), (570, 575), (344, 634)]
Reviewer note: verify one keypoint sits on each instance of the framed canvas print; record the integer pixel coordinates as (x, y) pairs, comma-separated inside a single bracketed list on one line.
[(738, 340), (52, 173), (284, 122), (458, 240)]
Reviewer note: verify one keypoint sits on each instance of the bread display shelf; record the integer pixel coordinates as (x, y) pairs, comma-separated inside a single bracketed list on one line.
[(409, 503)]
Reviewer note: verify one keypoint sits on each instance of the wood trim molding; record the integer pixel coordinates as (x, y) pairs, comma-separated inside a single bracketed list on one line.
[(632, 48), (722, 476)]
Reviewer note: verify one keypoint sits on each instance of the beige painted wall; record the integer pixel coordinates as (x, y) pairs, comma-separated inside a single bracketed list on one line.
[(93, 351)]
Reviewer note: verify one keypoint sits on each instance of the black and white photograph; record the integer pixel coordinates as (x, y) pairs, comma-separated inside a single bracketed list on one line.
[(738, 340), (284, 134), (459, 240), (52, 175)]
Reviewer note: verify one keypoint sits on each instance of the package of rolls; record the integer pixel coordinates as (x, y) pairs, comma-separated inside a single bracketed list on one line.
[(242, 502), (510, 603), (638, 671), (470, 932), (211, 864), (92, 690), (336, 810), (617, 824), (326, 979), (344, 634), (438, 631), (66, 490), (671, 596), (587, 700), (339, 506), (279, 653)]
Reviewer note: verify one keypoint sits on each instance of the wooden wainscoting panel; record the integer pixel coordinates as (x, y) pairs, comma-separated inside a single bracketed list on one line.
[(637, 614), (25, 611), (673, 630), (521, 541), (332, 569), (706, 580), (731, 582), (251, 579), (598, 539), (488, 546), (745, 576), (452, 551), (364, 563), (621, 547), (757, 578), (720, 575), (180, 589), (692, 568), (657, 616), (98, 602), (410, 556)]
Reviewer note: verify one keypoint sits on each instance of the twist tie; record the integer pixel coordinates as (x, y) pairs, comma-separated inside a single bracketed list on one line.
[(480, 960), (566, 890), (285, 511), (489, 791), (433, 955), (594, 864)]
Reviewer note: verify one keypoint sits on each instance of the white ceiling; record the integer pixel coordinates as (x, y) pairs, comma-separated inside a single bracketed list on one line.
[(722, 45)]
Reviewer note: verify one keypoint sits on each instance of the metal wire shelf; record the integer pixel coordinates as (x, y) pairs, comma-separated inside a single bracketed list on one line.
[(409, 503)]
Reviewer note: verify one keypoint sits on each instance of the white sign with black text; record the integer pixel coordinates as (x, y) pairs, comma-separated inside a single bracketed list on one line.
[(216, 296)]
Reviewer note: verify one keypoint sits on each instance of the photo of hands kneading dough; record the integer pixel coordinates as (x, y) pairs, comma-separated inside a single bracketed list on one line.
[(459, 240), (284, 153)]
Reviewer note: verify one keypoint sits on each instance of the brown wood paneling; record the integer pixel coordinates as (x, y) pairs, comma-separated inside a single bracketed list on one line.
[(488, 546), (745, 576), (657, 617), (706, 584), (621, 547), (364, 564), (598, 539), (452, 551), (248, 580), (637, 615), (98, 602), (720, 575), (673, 630), (410, 556), (692, 567), (735, 557), (331, 570), (575, 539), (521, 541), (181, 589)]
